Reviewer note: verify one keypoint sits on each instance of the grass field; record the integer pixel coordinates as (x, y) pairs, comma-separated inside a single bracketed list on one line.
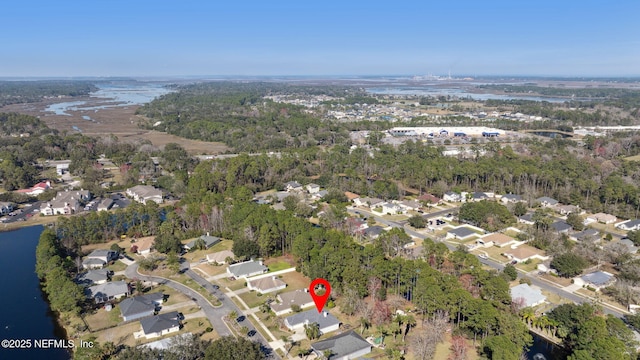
[(102, 319), (277, 265), (295, 281)]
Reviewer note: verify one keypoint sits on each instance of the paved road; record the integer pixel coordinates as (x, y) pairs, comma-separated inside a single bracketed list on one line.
[(498, 266), (214, 314)]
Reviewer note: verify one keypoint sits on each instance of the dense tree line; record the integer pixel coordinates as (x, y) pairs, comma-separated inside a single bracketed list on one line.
[(17, 92), (55, 269)]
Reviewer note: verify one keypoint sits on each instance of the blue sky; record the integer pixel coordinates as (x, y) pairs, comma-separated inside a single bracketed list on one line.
[(149, 38)]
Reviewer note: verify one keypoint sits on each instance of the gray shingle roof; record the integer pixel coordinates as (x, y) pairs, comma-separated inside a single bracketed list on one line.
[(597, 278), (582, 235), (209, 241), (530, 295), (159, 322), (140, 304), (560, 226), (313, 316), (547, 199), (93, 276), (107, 290), (527, 217), (341, 345), (462, 232), (247, 267)]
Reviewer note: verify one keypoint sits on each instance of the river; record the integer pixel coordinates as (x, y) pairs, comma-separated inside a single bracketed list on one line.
[(24, 312)]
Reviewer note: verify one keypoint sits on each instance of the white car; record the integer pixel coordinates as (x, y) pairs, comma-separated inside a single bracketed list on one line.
[(483, 256)]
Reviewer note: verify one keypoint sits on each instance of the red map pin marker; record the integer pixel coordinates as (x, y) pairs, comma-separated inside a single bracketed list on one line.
[(320, 300)]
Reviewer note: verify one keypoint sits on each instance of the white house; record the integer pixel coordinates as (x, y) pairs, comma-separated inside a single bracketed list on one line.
[(391, 208), (246, 269), (5, 207), (546, 201), (65, 203), (597, 280), (529, 296), (99, 258), (313, 188), (629, 225), (451, 196), (266, 284), (292, 186), (220, 257), (602, 218), (300, 298), (525, 252), (325, 320), (144, 193)]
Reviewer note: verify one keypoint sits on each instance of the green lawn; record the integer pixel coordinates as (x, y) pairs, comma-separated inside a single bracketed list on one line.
[(117, 266), (277, 266), (532, 265)]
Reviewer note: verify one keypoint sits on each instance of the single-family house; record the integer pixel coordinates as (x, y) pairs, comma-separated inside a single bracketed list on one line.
[(391, 208), (496, 239), (373, 232), (588, 234), (510, 198), (526, 219), (351, 196), (602, 218), (144, 246), (629, 225), (527, 296), (410, 205), (629, 244), (5, 207), (62, 168), (525, 252), (429, 199), (105, 204), (478, 196), (139, 307), (266, 284), (319, 195), (561, 227), (568, 209), (292, 186), (546, 201), (452, 196), (368, 202), (220, 257), (300, 298), (461, 233), (160, 324), (313, 188), (99, 258), (107, 291), (206, 240), (356, 225), (94, 277), (345, 346), (36, 189), (325, 320), (597, 280), (246, 269), (144, 193)]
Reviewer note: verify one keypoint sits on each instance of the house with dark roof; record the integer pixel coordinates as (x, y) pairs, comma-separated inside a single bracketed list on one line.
[(527, 295), (141, 306), (373, 232), (160, 324), (300, 298), (589, 234), (324, 319), (107, 291), (345, 346), (293, 186), (597, 280), (629, 244), (94, 277), (5, 207), (526, 219), (478, 196), (546, 201), (208, 241), (629, 225), (561, 227), (246, 269), (461, 232)]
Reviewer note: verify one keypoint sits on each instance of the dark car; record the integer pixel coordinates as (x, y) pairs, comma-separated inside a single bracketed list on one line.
[(180, 316), (216, 287), (240, 318), (251, 333)]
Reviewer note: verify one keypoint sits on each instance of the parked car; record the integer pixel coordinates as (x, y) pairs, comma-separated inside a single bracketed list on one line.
[(251, 333)]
